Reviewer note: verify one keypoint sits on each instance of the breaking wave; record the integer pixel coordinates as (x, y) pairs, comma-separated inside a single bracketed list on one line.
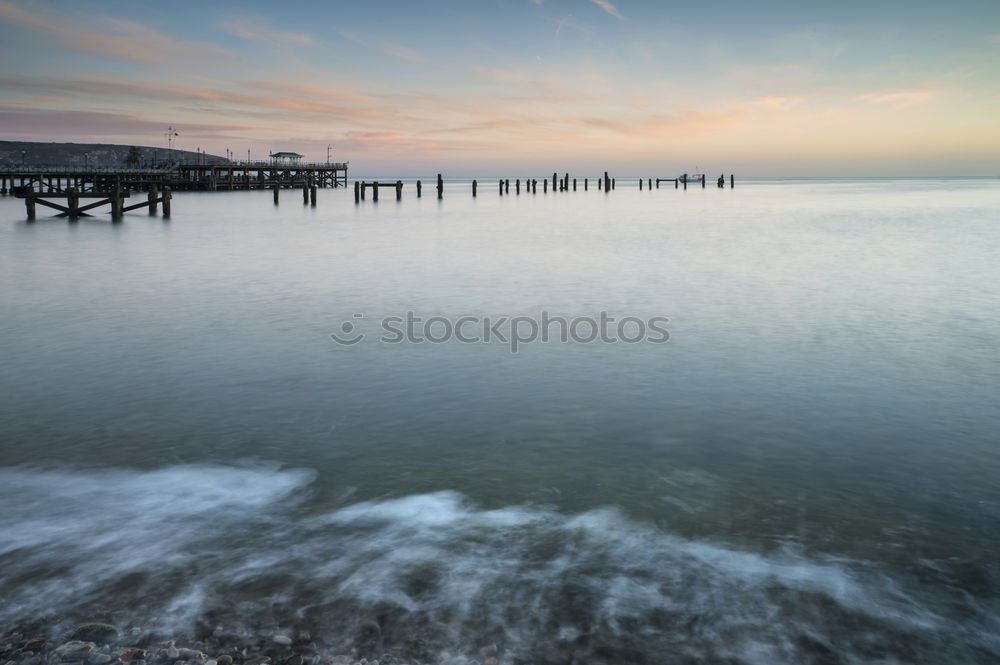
[(187, 550)]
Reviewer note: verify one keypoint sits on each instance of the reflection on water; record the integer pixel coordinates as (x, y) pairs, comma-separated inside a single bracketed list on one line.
[(814, 450)]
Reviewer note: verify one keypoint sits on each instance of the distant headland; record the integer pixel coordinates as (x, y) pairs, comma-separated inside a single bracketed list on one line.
[(15, 154)]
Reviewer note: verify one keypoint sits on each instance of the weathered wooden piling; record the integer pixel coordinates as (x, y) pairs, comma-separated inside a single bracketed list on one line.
[(640, 184), (554, 175), (585, 183), (685, 184), (150, 197), (732, 182), (399, 190), (534, 186), (545, 186), (474, 185), (517, 186), (420, 189), (574, 184), (73, 203), (166, 202), (506, 186), (275, 189), (312, 196), (375, 191), (29, 205), (305, 194), (612, 183), (440, 186), (357, 192), (649, 184), (500, 185), (607, 183)]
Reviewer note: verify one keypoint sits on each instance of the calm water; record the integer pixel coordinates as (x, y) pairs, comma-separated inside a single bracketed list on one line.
[(805, 473)]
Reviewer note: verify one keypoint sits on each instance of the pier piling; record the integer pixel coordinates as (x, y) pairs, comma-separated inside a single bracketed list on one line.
[(312, 196), (440, 186), (474, 185)]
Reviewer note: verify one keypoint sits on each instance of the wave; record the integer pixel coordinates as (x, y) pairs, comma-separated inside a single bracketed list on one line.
[(191, 550)]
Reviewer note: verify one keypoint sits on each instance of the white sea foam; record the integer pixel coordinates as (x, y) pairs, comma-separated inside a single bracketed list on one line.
[(172, 545)]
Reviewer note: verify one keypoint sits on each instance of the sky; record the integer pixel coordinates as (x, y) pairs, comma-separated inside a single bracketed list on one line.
[(520, 87)]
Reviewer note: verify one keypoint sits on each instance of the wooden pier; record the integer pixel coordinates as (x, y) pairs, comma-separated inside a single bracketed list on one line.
[(73, 209), (188, 177)]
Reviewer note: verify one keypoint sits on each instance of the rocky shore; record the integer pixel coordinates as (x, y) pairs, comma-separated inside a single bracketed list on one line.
[(105, 644)]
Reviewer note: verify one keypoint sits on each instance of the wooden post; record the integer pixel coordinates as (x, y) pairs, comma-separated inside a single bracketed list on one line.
[(399, 190), (151, 197), (474, 185), (657, 183), (166, 202), (612, 183), (116, 204), (685, 184), (440, 186), (312, 196), (29, 205), (586, 183), (517, 186), (675, 183), (501, 186), (357, 192), (506, 186), (731, 181), (275, 189), (305, 194), (640, 184), (375, 191), (607, 183), (703, 181), (545, 186), (649, 184), (554, 182), (534, 186), (574, 184), (420, 189), (364, 186)]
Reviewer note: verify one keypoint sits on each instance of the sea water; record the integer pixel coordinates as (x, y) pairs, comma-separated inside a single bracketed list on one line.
[(805, 472)]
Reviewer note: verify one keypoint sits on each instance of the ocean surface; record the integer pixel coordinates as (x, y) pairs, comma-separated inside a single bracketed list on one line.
[(807, 471)]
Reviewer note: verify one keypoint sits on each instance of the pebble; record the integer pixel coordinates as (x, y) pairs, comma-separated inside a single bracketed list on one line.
[(99, 633), (98, 658), (283, 640), (224, 659), (74, 650)]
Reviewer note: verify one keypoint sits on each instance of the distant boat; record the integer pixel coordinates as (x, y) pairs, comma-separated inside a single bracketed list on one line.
[(692, 177)]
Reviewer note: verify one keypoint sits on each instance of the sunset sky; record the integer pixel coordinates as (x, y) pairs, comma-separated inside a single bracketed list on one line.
[(518, 86)]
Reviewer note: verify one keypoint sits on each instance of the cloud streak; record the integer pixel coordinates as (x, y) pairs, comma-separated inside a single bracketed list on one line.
[(609, 8)]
